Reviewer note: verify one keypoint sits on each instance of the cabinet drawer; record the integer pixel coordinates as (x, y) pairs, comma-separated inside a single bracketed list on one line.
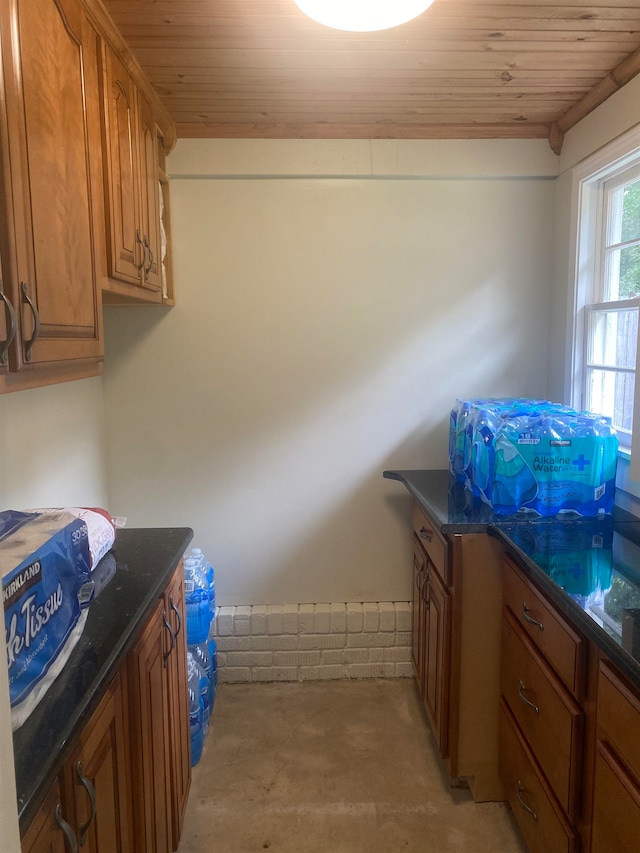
[(547, 715), (542, 823), (561, 645), (616, 806), (432, 542), (618, 717)]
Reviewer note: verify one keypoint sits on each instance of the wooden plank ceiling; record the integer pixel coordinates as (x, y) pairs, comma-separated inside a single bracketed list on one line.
[(463, 69)]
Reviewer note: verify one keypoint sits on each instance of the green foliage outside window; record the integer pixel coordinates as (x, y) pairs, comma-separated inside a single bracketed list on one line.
[(630, 259)]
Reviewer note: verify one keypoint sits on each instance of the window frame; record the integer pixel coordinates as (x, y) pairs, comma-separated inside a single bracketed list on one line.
[(593, 180)]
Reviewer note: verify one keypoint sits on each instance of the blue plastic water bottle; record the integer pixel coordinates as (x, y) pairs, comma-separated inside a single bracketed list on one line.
[(200, 654), (213, 656), (195, 710), (209, 573), (196, 591)]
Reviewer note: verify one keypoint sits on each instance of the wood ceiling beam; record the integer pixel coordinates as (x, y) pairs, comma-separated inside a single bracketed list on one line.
[(248, 130), (610, 84)]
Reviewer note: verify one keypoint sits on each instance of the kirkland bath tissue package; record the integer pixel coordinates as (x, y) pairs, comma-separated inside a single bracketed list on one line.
[(45, 565)]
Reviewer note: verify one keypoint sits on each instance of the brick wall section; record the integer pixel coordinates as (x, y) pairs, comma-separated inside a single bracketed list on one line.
[(299, 642)]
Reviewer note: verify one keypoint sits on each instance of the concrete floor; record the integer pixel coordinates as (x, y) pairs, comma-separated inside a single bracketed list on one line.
[(331, 767)]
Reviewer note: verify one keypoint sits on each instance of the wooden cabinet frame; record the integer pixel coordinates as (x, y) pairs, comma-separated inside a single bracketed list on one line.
[(456, 611), (125, 785), (131, 184), (50, 228)]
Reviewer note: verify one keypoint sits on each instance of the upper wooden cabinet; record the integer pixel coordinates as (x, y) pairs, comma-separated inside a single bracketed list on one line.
[(132, 189), (51, 218)]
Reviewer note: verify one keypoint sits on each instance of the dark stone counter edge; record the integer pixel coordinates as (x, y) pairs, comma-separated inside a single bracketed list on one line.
[(561, 600), (433, 510), (52, 763)]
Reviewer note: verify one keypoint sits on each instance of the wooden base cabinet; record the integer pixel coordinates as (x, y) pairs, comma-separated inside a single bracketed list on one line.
[(150, 737), (616, 796), (161, 757), (542, 664), (540, 818), (179, 737), (431, 627), (96, 779), (456, 605), (125, 785), (88, 805)]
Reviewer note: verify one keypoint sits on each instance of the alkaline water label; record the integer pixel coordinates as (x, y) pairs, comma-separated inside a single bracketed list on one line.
[(570, 474)]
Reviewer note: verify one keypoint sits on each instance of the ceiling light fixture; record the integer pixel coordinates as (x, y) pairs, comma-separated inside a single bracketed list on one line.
[(363, 15)]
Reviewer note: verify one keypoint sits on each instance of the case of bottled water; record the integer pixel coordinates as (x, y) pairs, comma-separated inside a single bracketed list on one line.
[(534, 455), (200, 601)]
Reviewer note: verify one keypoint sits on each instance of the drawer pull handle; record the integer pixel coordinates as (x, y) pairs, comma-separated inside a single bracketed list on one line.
[(28, 345), (66, 830), (530, 619), (148, 249), (178, 616), (524, 805), (172, 637), (425, 586), (139, 242), (91, 791), (524, 699), (11, 332), (426, 534)]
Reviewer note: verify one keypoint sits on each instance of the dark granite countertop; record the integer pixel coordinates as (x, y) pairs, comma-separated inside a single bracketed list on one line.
[(589, 567), (144, 561)]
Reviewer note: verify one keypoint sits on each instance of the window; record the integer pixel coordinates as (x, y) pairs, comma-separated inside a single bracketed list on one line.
[(607, 289)]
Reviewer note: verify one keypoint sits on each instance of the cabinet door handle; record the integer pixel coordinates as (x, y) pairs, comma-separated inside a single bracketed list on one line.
[(178, 616), (148, 249), (424, 585), (11, 333), (144, 251), (426, 534), (523, 698), (530, 619), (91, 791), (524, 805), (172, 635), (66, 830), (28, 345)]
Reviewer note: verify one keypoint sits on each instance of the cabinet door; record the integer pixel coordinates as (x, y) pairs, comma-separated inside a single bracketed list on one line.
[(436, 665), (149, 196), (125, 248), (48, 830), (150, 735), (616, 805), (8, 319), (53, 120), (180, 743), (96, 779)]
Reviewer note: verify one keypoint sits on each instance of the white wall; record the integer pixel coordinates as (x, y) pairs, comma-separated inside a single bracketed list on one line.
[(52, 446), (326, 320), (51, 454)]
